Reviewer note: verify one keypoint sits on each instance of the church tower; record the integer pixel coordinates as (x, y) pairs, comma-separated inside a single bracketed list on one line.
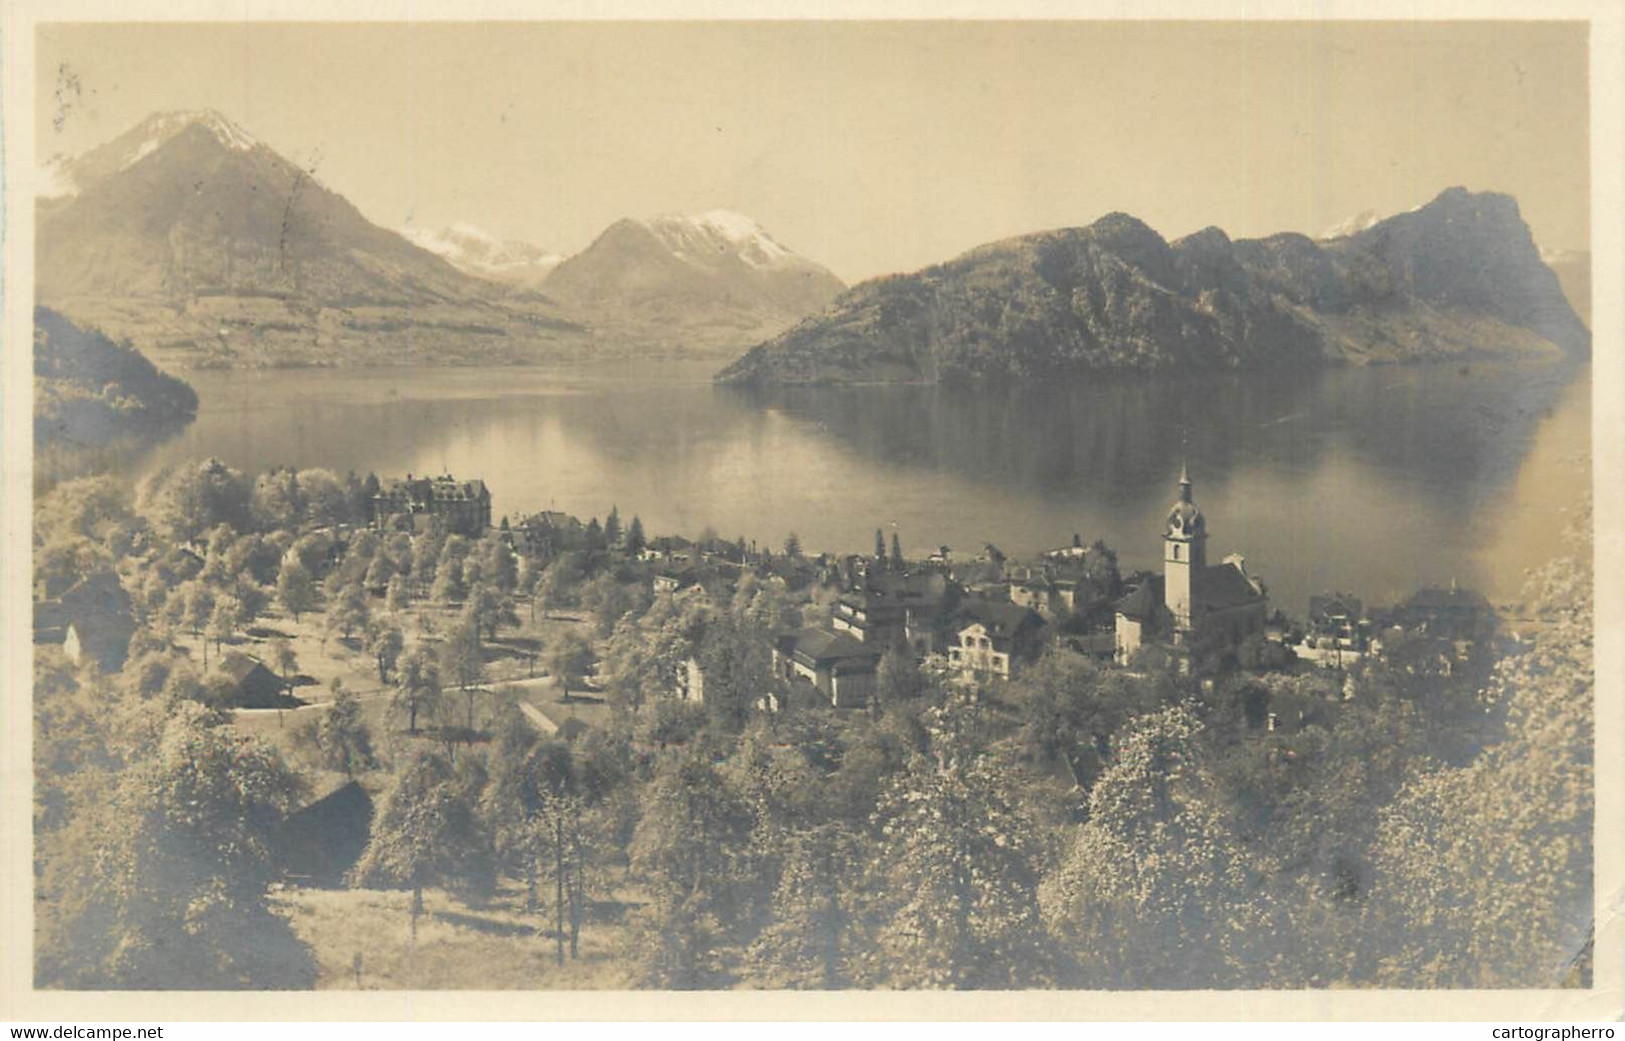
[(1184, 551)]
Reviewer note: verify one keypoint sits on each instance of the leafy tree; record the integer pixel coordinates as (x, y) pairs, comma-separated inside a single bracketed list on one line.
[(810, 942), (1100, 567), (1070, 713), (560, 583), (738, 669), (569, 659), (462, 663), (792, 546), (192, 500), (252, 598), (317, 551), (222, 623), (82, 525), (489, 610), (1155, 893), (397, 597), (160, 881), (427, 832), (284, 660), (255, 556), (612, 527), (295, 589), (384, 643), (426, 550), (636, 541), (1484, 872), (608, 600), (449, 582), (325, 500), (345, 741), (641, 660), (526, 581), (417, 686), (216, 552), (689, 851), (380, 571), (196, 603), (537, 803), (896, 551), (348, 613), (898, 681), (956, 880), (275, 502), (499, 567)]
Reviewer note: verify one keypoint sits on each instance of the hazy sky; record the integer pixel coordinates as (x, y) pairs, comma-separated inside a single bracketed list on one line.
[(871, 147)]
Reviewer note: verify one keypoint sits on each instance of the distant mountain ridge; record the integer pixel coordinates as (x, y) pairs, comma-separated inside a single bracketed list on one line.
[(1458, 277), (202, 244), (715, 278), (206, 248), (475, 251)]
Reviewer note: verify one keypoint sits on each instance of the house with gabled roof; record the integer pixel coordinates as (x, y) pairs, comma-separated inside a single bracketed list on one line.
[(839, 668), (96, 621), (994, 638), (252, 683)]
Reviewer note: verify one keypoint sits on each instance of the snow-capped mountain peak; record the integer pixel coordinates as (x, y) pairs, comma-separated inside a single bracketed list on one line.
[(719, 232), (159, 128), (63, 176), (1352, 225), (475, 251)]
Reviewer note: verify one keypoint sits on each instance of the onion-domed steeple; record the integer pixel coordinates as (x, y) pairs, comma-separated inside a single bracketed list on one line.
[(1185, 519), (1184, 541)]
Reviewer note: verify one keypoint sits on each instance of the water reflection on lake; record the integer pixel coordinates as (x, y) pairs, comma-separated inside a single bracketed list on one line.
[(1370, 480)]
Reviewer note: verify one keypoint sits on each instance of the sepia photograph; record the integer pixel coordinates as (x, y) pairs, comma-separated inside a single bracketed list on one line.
[(811, 505)]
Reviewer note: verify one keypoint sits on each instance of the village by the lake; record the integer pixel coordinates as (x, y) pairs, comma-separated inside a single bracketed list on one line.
[(350, 624), (451, 560)]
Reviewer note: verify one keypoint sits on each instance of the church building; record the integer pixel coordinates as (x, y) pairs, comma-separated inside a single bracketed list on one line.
[(1192, 603)]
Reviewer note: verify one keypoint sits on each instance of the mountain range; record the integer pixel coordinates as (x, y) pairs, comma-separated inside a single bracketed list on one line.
[(711, 279), (1458, 277), (204, 247), (475, 251)]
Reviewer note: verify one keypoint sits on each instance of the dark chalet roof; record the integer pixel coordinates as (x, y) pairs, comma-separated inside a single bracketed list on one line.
[(1144, 602), (820, 646), (256, 686), (1219, 587), (999, 618), (98, 593)]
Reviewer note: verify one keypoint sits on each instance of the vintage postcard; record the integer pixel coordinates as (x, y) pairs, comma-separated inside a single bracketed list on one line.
[(870, 513)]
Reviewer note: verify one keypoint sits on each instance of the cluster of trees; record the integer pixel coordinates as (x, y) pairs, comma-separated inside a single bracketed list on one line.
[(1079, 826), (155, 847)]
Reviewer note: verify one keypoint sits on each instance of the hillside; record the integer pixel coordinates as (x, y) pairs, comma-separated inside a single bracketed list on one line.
[(204, 246), (1573, 271), (90, 392), (710, 281), (1458, 277)]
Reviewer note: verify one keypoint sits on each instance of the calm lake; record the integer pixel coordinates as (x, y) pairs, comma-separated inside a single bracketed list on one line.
[(1374, 481)]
